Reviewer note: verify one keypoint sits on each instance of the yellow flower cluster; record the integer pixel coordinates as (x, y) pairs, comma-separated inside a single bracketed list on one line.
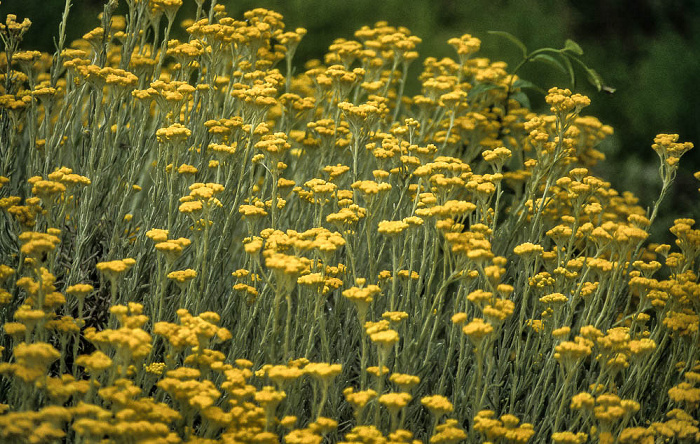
[(171, 248), (201, 197), (477, 330), (506, 428), (192, 331), (562, 102)]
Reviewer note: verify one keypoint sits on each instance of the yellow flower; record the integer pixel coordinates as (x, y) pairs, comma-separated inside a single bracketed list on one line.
[(528, 250), (554, 299), (569, 437), (155, 368), (268, 397), (392, 228), (335, 171), (36, 245), (282, 374), (465, 45), (395, 401), (322, 371), (632, 435), (359, 399), (29, 317), (385, 338), (437, 404), (157, 235), (323, 425), (288, 421), (448, 433), (562, 102), (582, 400), (395, 316), (374, 370), (14, 329), (685, 393), (95, 363), (182, 276), (370, 188), (299, 436), (223, 150), (498, 312), (175, 133), (46, 189), (562, 332), (34, 359), (364, 434), (5, 296), (6, 272), (459, 318), (113, 269), (362, 295), (286, 264), (668, 147), (191, 207), (311, 279), (480, 297), (569, 353), (404, 381), (274, 144), (80, 291), (477, 330), (172, 249), (243, 363), (251, 211), (402, 436)]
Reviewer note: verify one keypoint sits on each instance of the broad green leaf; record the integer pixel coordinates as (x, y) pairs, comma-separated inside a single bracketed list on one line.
[(512, 38), (524, 84), (481, 88), (570, 69), (521, 98), (573, 47), (546, 58), (594, 78)]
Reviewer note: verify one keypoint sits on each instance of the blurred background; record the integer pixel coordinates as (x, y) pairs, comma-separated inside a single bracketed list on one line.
[(648, 50)]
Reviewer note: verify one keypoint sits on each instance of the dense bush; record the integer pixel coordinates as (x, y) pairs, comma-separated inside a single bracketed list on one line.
[(201, 245)]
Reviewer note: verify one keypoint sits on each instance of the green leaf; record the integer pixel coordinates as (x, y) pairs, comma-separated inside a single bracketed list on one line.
[(546, 58), (570, 69), (512, 38), (525, 84), (521, 98), (573, 47), (481, 88), (522, 83), (591, 75), (594, 78)]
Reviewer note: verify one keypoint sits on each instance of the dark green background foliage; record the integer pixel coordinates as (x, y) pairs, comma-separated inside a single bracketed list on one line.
[(649, 50)]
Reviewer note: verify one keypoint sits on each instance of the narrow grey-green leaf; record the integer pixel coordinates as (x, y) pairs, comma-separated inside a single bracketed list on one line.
[(512, 38), (573, 47)]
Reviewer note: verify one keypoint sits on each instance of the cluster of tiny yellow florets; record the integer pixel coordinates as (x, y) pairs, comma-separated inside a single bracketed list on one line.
[(261, 252)]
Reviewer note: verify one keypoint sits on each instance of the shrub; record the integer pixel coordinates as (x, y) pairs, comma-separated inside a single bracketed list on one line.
[(200, 244)]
